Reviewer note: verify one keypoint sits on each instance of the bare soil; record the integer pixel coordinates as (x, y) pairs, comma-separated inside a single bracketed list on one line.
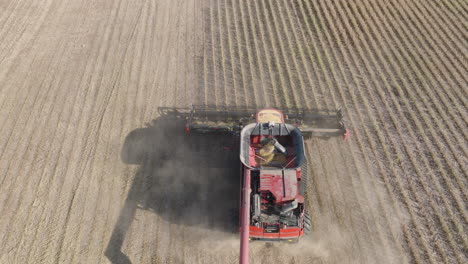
[(91, 172)]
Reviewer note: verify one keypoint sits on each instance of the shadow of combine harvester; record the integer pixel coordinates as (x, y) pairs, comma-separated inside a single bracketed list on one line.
[(185, 179)]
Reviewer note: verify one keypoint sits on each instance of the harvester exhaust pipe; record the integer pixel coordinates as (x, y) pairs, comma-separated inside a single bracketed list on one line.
[(245, 219)]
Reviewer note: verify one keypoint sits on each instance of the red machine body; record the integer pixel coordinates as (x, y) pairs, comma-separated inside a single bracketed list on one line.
[(285, 189), (272, 154)]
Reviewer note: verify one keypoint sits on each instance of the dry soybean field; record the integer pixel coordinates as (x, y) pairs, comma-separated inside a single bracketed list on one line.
[(80, 79)]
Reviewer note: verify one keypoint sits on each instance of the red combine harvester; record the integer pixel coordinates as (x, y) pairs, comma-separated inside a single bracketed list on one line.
[(273, 171)]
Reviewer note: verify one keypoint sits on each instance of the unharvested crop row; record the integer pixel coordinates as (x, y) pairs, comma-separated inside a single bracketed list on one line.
[(435, 31), (429, 87), (330, 61), (355, 79), (357, 184), (264, 73), (12, 23), (454, 25), (435, 59), (376, 64), (433, 116), (280, 68), (447, 182), (357, 187), (427, 164), (357, 132), (273, 75), (368, 59), (239, 41)]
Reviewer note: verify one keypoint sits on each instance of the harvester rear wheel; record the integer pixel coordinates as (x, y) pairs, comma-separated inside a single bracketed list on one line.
[(304, 177), (307, 224), (303, 190)]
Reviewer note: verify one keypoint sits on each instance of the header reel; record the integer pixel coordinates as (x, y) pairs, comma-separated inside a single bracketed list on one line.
[(224, 119)]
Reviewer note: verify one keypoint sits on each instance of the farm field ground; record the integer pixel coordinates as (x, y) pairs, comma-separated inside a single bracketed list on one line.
[(81, 82)]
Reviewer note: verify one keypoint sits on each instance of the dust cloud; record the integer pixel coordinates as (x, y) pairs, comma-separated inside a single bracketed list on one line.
[(187, 181)]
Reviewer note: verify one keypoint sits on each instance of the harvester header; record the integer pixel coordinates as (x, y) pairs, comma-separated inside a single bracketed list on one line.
[(210, 118)]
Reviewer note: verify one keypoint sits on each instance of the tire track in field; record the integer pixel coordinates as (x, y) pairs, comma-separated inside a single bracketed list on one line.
[(134, 82), (103, 56), (9, 104), (14, 20), (37, 105), (144, 232), (14, 34), (133, 88), (28, 35), (83, 232), (9, 10), (99, 124), (158, 237), (71, 174)]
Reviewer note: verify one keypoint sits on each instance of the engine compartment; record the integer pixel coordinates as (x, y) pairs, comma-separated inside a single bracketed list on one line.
[(275, 199)]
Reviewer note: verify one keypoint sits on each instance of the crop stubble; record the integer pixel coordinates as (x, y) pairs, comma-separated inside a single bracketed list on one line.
[(78, 77)]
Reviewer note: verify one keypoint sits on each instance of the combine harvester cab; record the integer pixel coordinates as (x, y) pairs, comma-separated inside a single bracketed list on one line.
[(272, 153)]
